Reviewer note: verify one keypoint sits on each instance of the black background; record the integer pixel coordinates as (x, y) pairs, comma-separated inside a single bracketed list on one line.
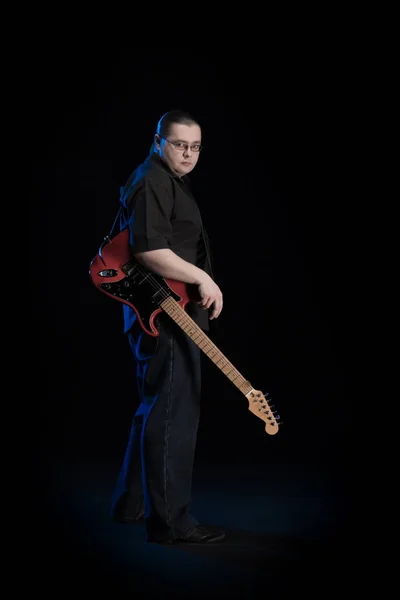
[(269, 183)]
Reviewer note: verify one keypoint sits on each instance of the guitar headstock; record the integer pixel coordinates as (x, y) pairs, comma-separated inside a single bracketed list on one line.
[(259, 406)]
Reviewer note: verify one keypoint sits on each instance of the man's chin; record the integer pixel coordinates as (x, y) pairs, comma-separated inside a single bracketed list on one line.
[(185, 169)]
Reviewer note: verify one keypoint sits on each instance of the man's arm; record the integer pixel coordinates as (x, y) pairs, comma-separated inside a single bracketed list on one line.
[(166, 263)]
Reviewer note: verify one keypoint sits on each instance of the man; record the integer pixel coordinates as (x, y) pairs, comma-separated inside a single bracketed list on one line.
[(167, 237)]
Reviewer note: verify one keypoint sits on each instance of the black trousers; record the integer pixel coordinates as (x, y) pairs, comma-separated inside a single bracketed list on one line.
[(158, 463)]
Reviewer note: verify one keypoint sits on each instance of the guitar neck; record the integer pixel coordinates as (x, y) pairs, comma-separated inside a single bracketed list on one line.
[(185, 322)]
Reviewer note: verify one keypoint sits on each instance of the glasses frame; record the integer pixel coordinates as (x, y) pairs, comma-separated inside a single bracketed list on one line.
[(186, 147)]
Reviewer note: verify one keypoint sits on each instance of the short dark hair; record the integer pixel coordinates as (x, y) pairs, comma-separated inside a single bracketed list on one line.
[(174, 116)]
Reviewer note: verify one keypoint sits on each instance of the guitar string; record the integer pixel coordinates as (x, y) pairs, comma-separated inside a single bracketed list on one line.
[(218, 356), (178, 310)]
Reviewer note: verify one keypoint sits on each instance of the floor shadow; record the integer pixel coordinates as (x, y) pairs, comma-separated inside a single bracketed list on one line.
[(276, 542)]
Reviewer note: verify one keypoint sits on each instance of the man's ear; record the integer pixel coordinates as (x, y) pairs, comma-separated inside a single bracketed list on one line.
[(157, 139)]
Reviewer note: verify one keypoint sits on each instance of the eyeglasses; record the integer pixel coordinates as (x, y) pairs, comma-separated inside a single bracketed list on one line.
[(183, 146)]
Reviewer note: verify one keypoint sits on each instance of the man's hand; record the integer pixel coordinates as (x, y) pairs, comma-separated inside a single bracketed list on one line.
[(166, 263), (210, 295)]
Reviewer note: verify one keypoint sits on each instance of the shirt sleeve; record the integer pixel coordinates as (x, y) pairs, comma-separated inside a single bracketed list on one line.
[(150, 220)]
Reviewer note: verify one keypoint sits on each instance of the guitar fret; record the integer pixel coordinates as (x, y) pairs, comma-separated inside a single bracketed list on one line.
[(180, 316)]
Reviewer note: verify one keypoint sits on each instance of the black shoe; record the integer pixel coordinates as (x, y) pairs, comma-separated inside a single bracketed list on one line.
[(129, 520), (199, 535)]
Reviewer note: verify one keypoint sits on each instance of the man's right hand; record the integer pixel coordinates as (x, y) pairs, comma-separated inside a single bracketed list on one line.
[(210, 295), (166, 263)]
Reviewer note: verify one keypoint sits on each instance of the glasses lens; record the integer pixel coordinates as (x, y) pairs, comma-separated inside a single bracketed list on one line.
[(181, 146)]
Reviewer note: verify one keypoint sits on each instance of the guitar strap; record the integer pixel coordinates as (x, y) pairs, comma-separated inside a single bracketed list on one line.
[(115, 222)]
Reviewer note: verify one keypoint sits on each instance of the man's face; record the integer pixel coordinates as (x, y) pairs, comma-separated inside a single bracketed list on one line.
[(179, 151)]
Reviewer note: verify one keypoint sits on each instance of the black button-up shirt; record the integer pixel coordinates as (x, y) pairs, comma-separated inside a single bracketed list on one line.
[(161, 212)]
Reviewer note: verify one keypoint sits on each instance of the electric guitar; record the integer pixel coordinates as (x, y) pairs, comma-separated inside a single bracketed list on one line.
[(116, 273)]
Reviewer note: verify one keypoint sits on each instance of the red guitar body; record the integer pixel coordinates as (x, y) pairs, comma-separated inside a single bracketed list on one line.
[(117, 274)]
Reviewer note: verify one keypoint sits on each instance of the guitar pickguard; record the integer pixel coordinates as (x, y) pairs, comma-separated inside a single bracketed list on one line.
[(142, 291)]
